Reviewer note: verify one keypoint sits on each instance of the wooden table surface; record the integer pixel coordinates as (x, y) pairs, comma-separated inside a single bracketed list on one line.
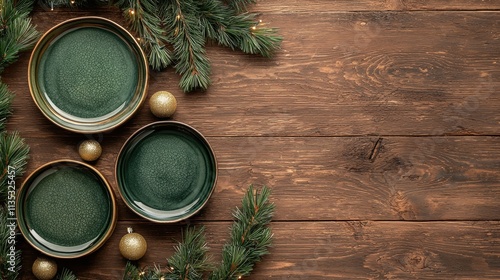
[(376, 126)]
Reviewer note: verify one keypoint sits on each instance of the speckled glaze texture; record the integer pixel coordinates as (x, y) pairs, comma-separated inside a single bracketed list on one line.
[(166, 171), (65, 209), (91, 79), (68, 207)]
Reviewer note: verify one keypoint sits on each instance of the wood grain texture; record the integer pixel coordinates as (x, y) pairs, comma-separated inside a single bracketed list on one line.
[(335, 178), (326, 6), (376, 126), (437, 76), (332, 250)]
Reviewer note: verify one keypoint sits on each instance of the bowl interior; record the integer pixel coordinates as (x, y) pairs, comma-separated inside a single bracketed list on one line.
[(88, 75), (166, 171), (66, 209)]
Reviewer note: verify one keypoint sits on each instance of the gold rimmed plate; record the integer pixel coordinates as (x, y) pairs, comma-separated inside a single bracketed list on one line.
[(88, 75), (66, 209), (166, 171)]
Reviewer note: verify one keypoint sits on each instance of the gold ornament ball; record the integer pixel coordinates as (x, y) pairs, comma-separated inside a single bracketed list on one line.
[(133, 246), (163, 104), (44, 269), (90, 150)]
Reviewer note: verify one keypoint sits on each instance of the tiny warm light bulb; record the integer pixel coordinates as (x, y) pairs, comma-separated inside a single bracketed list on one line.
[(142, 273), (72, 2), (131, 11), (254, 27), (178, 17), (239, 277)]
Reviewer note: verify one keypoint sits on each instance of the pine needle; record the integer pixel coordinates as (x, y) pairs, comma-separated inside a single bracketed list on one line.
[(6, 97), (190, 260), (14, 154), (66, 274), (250, 236)]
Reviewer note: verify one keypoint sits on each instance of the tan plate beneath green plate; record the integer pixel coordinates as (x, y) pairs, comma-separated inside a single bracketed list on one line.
[(66, 209), (166, 171), (88, 75)]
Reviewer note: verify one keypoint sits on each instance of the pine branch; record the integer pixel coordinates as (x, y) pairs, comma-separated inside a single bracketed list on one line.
[(144, 19), (66, 274), (240, 5), (190, 259), (10, 258), (75, 3), (250, 236), (16, 31), (131, 272), (6, 97), (13, 154), (240, 31), (189, 45)]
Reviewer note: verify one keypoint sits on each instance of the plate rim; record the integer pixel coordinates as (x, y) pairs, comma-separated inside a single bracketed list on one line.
[(109, 228), (93, 127), (122, 150)]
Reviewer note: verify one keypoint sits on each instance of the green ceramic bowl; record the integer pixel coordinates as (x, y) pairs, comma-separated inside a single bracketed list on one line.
[(166, 171), (88, 75), (66, 209)]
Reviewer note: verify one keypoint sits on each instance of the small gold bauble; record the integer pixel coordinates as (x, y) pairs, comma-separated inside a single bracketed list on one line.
[(133, 246), (163, 104), (90, 150), (44, 269)]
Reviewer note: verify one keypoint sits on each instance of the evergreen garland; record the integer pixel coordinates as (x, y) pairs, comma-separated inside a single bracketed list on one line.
[(65, 274), (184, 25), (250, 239), (17, 34), (176, 32)]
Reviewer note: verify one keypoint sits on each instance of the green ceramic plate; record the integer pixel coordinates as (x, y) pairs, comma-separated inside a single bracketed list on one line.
[(88, 75), (66, 209), (166, 171)]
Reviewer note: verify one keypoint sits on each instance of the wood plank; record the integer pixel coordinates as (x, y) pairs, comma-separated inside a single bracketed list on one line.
[(326, 6), (335, 178), (326, 250), (342, 74)]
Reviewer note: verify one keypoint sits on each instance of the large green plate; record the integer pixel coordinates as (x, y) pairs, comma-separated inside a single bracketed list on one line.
[(166, 171), (66, 209), (88, 75)]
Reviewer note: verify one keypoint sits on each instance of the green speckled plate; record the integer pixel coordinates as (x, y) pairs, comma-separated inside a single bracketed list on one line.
[(66, 209), (166, 171), (88, 75)]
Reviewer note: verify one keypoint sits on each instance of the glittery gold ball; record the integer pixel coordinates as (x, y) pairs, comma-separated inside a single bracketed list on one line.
[(163, 104), (133, 246), (90, 150), (44, 269)]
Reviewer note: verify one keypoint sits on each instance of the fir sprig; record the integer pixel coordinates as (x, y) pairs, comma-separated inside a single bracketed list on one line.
[(16, 30), (189, 45), (190, 260), (145, 20), (6, 97), (65, 274), (250, 236), (176, 32), (240, 5), (14, 154), (250, 239)]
